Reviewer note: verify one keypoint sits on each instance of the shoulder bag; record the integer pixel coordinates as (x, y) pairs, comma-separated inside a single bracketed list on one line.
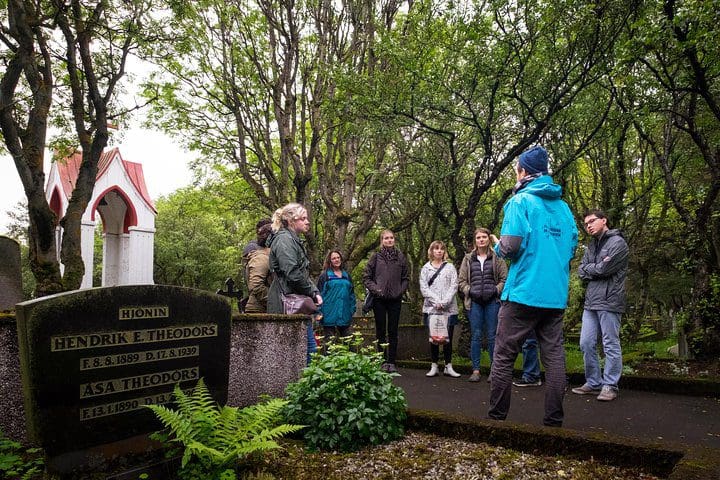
[(368, 302), (296, 304), (432, 279)]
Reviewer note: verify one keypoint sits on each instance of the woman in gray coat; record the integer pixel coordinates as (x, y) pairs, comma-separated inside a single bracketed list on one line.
[(289, 262)]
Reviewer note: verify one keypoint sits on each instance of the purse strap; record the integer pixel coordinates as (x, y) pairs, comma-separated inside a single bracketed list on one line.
[(432, 279)]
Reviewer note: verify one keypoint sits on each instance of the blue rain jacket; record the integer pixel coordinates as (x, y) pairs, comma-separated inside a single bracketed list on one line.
[(540, 267)]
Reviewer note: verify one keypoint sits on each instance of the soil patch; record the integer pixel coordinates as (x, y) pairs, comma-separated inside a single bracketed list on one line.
[(420, 455), (673, 368)]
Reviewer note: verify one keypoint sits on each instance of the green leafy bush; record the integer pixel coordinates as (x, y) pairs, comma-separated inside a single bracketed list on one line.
[(16, 462), (346, 400), (214, 438)]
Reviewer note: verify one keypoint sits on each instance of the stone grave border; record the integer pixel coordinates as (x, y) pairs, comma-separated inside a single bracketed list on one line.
[(674, 462)]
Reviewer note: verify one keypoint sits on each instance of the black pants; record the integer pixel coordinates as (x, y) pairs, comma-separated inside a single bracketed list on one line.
[(387, 319), (335, 331), (447, 348), (515, 322)]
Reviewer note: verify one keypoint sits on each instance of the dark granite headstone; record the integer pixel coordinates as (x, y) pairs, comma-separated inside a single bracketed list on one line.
[(10, 274), (91, 359)]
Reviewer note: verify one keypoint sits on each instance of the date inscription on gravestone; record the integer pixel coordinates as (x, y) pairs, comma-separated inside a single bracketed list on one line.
[(92, 359)]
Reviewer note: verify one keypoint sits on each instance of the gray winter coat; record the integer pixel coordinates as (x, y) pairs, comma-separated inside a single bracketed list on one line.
[(604, 268), (386, 274), (289, 263)]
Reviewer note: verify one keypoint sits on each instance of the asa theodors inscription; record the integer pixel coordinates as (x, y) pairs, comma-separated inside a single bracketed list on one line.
[(91, 359), (137, 382)]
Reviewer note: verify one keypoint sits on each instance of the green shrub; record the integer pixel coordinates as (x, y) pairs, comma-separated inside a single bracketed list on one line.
[(346, 400), (16, 462), (214, 438)]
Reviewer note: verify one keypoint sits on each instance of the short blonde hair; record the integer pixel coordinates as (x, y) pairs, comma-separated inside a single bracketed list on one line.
[(433, 245), (282, 216)]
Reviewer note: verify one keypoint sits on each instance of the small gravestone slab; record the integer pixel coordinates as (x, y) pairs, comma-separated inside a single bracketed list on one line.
[(10, 274), (92, 359)]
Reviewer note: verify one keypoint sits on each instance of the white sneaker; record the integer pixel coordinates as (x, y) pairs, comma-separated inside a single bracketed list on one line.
[(607, 394), (433, 370), (449, 371)]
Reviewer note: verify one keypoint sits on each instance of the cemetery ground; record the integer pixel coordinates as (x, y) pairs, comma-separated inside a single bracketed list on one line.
[(442, 445), (660, 427)]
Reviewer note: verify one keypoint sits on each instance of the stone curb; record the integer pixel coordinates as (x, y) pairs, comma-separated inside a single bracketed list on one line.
[(673, 385), (674, 462)]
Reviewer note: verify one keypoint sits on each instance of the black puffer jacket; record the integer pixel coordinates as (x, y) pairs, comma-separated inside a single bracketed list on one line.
[(483, 286), (386, 274), (604, 267)]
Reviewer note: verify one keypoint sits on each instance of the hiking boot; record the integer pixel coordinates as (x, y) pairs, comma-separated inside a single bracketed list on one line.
[(450, 372), (607, 394), (475, 377), (524, 382), (433, 370), (586, 390)]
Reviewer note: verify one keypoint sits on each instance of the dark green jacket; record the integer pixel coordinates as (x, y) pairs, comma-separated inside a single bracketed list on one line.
[(291, 268)]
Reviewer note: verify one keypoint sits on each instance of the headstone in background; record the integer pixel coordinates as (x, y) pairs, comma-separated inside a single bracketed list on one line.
[(12, 418), (268, 352), (10, 274), (91, 359)]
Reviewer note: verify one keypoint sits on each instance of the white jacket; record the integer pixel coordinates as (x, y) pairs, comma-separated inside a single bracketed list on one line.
[(443, 291)]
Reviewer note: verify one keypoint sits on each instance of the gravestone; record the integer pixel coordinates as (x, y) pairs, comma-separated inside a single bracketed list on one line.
[(92, 359), (10, 275)]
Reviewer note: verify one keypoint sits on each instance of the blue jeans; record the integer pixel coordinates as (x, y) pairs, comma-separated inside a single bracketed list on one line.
[(531, 364), (603, 325), (483, 318), (311, 343)]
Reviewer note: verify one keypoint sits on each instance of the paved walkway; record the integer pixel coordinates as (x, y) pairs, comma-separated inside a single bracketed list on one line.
[(646, 416)]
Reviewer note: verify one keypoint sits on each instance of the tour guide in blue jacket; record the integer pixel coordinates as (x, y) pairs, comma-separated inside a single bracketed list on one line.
[(539, 237)]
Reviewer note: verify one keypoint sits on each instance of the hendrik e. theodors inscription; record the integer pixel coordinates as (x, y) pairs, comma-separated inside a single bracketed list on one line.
[(92, 359)]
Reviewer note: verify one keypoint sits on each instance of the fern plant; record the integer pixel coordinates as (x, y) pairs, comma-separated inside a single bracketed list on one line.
[(215, 438)]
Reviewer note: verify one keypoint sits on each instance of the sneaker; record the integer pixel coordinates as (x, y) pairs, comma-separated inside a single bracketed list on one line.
[(586, 390), (384, 367), (524, 382), (475, 377), (607, 394), (391, 368)]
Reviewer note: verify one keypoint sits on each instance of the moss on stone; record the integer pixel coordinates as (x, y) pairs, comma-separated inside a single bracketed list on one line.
[(254, 317)]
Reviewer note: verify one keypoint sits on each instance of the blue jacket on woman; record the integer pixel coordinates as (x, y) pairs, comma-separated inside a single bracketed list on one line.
[(338, 298)]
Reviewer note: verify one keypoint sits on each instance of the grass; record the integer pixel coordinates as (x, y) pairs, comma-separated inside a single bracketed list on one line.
[(574, 357)]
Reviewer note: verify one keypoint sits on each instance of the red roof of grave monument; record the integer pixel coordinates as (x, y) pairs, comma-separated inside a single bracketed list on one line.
[(69, 167)]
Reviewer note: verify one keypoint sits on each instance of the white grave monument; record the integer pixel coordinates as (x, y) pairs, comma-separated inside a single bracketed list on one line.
[(126, 210)]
